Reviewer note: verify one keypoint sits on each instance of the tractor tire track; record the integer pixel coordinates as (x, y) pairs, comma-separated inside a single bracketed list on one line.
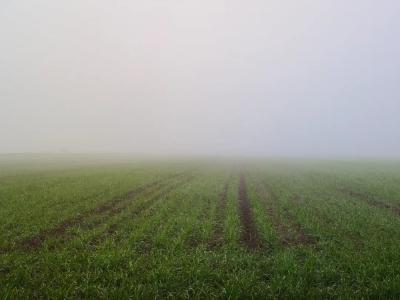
[(113, 228), (250, 235), (105, 210)]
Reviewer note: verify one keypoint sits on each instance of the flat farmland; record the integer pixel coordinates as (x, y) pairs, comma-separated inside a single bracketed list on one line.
[(118, 228)]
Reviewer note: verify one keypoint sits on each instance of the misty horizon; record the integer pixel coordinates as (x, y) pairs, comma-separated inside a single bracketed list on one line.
[(298, 79)]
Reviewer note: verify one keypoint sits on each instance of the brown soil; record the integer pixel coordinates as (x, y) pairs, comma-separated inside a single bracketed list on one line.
[(108, 208), (250, 235)]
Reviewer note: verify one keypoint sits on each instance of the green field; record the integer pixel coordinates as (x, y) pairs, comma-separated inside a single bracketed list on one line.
[(115, 227)]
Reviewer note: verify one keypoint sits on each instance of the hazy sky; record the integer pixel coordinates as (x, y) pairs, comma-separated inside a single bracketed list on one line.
[(262, 77)]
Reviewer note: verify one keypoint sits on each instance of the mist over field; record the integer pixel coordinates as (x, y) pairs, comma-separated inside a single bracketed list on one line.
[(214, 149), (286, 78)]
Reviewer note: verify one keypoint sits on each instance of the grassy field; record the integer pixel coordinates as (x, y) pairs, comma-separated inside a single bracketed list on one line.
[(102, 227)]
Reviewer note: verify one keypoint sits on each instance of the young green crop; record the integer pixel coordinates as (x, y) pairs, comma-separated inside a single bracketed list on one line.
[(175, 230)]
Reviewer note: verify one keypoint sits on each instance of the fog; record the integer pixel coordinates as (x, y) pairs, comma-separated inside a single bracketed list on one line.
[(211, 77)]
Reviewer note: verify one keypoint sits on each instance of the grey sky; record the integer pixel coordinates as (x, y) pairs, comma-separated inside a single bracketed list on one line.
[(201, 77)]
